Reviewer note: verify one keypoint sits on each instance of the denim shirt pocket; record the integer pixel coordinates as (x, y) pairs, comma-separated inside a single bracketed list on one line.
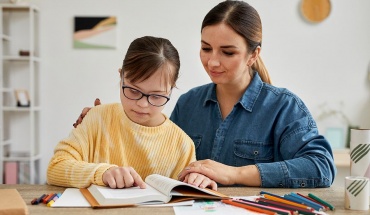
[(249, 152), (197, 139)]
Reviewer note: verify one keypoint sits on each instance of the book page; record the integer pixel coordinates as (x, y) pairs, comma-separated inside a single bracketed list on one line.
[(131, 195), (171, 187), (162, 183)]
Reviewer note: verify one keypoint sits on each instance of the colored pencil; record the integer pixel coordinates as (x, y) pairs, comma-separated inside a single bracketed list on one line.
[(46, 198), (278, 210), (249, 207), (296, 198), (285, 206), (281, 199), (311, 199), (322, 201), (271, 194)]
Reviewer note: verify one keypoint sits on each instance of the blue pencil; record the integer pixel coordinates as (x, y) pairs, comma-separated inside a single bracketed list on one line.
[(307, 202), (294, 199)]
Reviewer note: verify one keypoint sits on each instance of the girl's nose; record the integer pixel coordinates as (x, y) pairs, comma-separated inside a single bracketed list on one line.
[(143, 102)]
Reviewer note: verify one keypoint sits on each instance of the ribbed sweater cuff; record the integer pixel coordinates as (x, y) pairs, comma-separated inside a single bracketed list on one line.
[(98, 177)]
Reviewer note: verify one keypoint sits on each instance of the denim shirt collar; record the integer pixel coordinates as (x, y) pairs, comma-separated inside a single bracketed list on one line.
[(249, 97)]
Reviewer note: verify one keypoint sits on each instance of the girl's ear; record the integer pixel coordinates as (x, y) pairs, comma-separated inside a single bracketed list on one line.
[(254, 56), (120, 72)]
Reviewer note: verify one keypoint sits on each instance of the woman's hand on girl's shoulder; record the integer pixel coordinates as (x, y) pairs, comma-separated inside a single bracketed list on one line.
[(84, 112)]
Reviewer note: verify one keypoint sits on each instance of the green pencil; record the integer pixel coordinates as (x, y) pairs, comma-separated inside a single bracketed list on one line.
[(331, 207)]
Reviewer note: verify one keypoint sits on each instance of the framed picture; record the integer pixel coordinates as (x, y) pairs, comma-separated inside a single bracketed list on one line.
[(23, 99), (95, 32)]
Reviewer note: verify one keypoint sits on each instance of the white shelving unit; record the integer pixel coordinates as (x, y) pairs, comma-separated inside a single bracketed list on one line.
[(19, 126)]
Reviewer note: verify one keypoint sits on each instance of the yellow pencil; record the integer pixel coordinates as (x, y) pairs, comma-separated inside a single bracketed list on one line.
[(282, 200)]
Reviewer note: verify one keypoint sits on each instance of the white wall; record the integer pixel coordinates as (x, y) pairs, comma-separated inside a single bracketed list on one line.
[(325, 62)]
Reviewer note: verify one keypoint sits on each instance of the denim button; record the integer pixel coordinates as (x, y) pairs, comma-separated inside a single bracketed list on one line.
[(303, 184), (255, 152)]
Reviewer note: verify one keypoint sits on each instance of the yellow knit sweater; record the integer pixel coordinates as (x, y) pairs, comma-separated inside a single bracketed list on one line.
[(108, 138)]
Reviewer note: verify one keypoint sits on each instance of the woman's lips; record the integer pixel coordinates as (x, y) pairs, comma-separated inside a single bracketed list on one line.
[(215, 73)]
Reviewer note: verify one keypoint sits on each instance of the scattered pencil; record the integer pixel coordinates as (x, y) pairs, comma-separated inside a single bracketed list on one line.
[(321, 201)]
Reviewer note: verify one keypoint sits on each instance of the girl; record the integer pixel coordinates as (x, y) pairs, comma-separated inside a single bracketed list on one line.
[(119, 144)]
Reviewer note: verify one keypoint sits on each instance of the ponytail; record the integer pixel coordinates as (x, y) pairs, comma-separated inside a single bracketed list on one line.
[(259, 66)]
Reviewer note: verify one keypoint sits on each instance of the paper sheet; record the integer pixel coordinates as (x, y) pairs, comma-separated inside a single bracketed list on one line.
[(73, 198), (211, 207)]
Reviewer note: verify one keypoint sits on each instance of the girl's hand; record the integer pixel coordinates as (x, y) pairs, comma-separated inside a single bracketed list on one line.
[(121, 177), (200, 180)]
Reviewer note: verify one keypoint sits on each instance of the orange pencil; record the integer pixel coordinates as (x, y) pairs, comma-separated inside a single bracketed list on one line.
[(281, 199), (47, 198), (249, 207)]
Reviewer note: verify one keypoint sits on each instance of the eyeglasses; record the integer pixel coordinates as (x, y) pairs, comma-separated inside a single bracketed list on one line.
[(153, 99)]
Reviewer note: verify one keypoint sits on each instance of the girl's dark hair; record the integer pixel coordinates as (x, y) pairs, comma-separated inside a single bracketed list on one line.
[(146, 55), (245, 21)]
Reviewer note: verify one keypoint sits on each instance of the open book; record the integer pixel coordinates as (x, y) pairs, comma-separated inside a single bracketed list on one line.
[(159, 190)]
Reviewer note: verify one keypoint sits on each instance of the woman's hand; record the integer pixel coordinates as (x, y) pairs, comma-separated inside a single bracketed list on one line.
[(84, 112), (200, 180), (219, 172), (223, 174), (120, 177)]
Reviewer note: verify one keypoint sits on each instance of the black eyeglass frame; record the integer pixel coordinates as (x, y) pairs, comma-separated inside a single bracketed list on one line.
[(144, 94)]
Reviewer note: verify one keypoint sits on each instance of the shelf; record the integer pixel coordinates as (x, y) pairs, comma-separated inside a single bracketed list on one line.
[(5, 37), (29, 158), (6, 142), (18, 7), (7, 90), (21, 58), (20, 126), (20, 109)]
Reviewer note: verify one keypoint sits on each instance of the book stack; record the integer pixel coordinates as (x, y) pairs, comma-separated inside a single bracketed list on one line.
[(17, 172)]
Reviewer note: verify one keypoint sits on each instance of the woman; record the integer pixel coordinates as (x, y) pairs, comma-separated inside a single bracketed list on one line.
[(246, 131)]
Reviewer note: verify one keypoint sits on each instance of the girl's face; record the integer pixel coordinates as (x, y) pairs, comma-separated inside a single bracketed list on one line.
[(141, 111), (224, 55)]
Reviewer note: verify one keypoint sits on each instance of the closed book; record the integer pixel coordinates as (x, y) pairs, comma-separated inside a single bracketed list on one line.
[(11, 172), (12, 203)]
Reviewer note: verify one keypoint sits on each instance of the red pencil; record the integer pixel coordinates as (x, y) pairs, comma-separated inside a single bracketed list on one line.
[(264, 207), (275, 208), (285, 206), (248, 207)]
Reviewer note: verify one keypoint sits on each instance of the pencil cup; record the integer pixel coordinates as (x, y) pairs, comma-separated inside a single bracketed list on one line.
[(357, 193), (360, 152)]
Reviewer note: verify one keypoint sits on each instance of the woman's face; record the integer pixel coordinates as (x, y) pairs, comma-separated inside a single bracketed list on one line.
[(224, 55), (141, 111)]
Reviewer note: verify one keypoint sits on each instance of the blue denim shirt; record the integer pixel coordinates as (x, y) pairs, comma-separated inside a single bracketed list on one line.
[(269, 127)]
